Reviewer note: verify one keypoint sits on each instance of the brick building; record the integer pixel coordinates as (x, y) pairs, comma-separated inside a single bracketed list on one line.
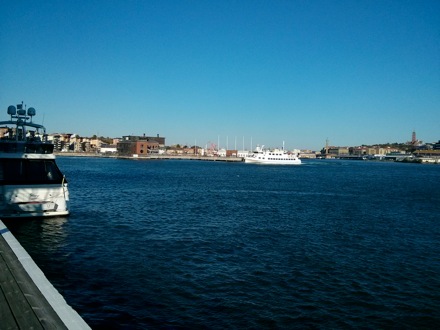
[(140, 145)]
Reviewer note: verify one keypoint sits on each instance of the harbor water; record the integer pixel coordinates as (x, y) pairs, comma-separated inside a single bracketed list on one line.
[(215, 245)]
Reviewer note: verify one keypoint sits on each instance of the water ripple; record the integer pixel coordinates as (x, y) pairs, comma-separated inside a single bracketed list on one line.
[(182, 245)]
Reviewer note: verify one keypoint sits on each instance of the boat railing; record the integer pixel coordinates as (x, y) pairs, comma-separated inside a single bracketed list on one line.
[(21, 134)]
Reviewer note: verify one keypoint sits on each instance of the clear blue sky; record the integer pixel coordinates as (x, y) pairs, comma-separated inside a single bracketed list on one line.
[(355, 72)]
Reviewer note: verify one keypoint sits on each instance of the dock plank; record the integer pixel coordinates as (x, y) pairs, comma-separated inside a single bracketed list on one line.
[(22, 304), (36, 300), (7, 319), (15, 299)]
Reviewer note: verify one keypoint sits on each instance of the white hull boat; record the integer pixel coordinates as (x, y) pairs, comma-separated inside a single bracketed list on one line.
[(273, 157), (31, 184)]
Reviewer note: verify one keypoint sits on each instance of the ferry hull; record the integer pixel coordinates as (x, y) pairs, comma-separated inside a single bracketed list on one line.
[(273, 157), (251, 160)]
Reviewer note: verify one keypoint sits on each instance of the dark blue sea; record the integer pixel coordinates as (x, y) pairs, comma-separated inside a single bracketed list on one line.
[(214, 245)]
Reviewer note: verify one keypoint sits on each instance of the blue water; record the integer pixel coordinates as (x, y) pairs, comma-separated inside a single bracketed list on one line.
[(190, 244)]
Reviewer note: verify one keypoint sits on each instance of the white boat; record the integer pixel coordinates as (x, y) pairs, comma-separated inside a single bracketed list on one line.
[(31, 184), (273, 157)]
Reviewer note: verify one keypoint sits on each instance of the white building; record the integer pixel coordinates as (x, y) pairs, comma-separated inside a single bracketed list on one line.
[(242, 153), (108, 149), (221, 153)]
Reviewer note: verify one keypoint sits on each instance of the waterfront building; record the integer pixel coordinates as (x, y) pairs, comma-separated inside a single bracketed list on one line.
[(367, 151), (174, 150), (108, 149), (231, 153), (177, 150), (357, 151), (307, 154), (242, 153), (139, 145), (428, 153), (221, 153), (61, 142), (337, 151)]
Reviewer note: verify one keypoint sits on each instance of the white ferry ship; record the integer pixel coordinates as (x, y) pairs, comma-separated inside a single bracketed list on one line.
[(273, 157), (31, 184)]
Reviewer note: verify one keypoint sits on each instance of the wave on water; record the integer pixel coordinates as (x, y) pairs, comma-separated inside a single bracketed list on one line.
[(182, 244)]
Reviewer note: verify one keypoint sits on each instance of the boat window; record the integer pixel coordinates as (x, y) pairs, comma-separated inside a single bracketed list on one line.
[(30, 171)]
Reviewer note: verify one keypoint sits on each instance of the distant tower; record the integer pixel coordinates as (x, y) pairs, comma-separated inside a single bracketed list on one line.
[(326, 146), (413, 138)]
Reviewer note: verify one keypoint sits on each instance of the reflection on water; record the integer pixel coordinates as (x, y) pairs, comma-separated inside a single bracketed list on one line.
[(39, 235)]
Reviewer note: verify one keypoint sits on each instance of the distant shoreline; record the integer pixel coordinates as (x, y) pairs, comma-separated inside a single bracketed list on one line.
[(150, 157)]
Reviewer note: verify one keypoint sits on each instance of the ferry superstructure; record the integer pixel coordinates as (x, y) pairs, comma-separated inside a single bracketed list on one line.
[(273, 157), (31, 184)]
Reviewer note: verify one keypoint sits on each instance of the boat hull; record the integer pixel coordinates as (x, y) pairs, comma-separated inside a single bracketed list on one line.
[(273, 157), (31, 184), (252, 160), (18, 201)]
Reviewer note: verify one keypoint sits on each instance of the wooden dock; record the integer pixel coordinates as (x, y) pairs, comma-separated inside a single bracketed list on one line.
[(27, 299)]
